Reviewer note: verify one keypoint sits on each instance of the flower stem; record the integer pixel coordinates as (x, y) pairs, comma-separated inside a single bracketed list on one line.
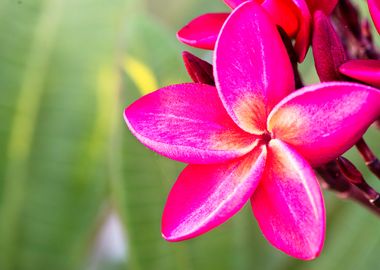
[(331, 177), (369, 157), (354, 176)]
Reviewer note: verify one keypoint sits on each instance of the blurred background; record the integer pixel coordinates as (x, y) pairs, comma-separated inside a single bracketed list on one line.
[(77, 191)]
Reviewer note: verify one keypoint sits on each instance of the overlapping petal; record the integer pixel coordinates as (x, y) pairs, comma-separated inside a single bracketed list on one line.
[(327, 6), (301, 46), (202, 31), (374, 10), (251, 67), (205, 196), (292, 15), (187, 122), (323, 121), (288, 203), (367, 71), (283, 13), (233, 3)]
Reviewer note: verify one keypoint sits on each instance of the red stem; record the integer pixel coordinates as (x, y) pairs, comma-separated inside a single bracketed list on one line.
[(332, 177), (369, 157)]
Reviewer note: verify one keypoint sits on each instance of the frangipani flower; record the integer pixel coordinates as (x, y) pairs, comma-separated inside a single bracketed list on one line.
[(294, 16), (247, 138)]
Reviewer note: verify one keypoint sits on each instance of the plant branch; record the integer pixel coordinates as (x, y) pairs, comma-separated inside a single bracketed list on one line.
[(369, 157), (332, 178)]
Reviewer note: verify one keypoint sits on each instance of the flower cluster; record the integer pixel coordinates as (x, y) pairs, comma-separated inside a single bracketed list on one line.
[(245, 130)]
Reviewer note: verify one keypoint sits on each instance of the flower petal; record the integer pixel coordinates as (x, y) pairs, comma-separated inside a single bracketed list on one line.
[(234, 3), (301, 46), (251, 67), (327, 6), (323, 121), (374, 10), (283, 13), (367, 71), (202, 31), (205, 196), (328, 49), (187, 122), (288, 204)]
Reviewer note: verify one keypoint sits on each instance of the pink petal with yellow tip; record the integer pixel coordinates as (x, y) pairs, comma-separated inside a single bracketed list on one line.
[(187, 122), (202, 31), (251, 67), (288, 204), (367, 71), (204, 196), (374, 10), (323, 121)]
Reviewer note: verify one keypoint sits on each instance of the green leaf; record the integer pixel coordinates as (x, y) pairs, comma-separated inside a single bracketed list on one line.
[(53, 174)]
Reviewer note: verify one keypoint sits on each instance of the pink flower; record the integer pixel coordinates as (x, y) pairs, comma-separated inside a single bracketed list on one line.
[(292, 15), (247, 138)]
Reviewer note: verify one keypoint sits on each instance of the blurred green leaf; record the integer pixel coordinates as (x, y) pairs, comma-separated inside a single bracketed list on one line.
[(53, 174)]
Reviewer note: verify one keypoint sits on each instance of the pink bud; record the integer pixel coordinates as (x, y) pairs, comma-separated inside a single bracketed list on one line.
[(328, 50), (199, 70)]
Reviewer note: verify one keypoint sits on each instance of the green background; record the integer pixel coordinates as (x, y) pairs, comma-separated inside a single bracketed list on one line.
[(68, 162)]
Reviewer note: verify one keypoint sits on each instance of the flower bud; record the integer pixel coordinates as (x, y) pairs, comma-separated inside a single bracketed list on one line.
[(328, 50), (354, 176), (199, 70)]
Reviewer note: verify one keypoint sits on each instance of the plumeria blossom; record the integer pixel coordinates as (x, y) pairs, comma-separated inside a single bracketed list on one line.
[(294, 16), (252, 138)]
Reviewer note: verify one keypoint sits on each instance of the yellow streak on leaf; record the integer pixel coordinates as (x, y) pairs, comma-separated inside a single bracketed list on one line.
[(140, 74)]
